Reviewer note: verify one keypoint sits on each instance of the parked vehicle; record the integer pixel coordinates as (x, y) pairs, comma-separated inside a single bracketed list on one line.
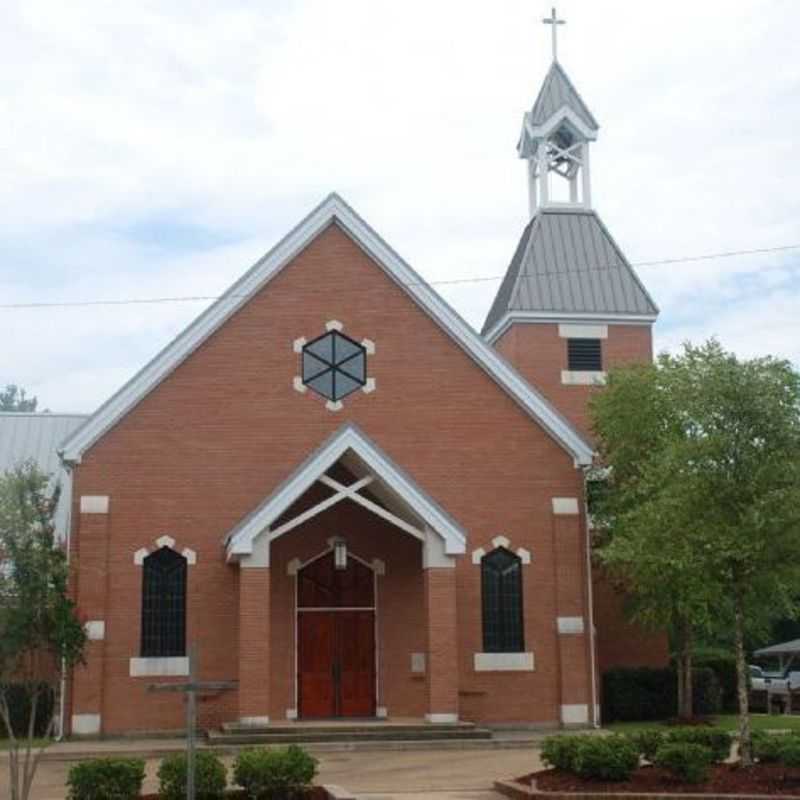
[(775, 682)]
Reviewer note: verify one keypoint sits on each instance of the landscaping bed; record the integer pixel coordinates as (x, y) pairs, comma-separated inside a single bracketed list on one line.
[(682, 762), (761, 779)]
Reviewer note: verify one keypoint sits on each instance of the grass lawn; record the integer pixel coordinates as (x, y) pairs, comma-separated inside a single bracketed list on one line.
[(4, 743), (725, 722)]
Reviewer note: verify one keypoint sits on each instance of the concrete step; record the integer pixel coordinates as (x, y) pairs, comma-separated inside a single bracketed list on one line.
[(313, 735), (347, 727)]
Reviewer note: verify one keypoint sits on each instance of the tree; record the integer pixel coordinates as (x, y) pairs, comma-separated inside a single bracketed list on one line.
[(718, 465), (14, 398), (40, 633), (634, 422)]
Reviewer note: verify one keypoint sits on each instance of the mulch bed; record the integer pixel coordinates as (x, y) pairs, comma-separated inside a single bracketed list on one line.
[(771, 779), (315, 793)]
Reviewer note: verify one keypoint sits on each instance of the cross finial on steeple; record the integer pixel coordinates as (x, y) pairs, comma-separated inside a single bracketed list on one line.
[(555, 22)]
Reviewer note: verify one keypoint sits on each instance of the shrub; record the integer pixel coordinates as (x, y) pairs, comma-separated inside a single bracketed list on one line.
[(686, 761), (559, 751), (606, 758), (718, 742), (264, 773), (647, 743), (767, 748), (633, 694), (18, 696), (640, 693), (210, 776), (790, 752), (106, 779)]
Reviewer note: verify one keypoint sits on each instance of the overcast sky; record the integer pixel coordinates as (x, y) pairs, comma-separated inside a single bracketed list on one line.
[(151, 149)]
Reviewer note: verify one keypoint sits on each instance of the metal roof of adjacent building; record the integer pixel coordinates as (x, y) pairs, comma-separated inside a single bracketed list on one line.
[(556, 93), (37, 437), (784, 648), (567, 263)]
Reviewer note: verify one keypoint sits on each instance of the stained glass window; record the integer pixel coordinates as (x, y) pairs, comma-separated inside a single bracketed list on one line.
[(164, 604), (501, 584)]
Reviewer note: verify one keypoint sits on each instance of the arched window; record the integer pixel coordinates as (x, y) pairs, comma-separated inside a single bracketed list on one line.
[(501, 585), (164, 605)]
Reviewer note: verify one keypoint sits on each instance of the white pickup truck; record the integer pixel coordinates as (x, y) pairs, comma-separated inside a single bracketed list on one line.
[(776, 682)]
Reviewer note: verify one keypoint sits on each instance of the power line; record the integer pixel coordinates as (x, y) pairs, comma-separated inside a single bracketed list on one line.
[(445, 282)]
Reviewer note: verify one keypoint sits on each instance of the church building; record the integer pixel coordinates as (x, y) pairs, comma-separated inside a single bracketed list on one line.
[(347, 501)]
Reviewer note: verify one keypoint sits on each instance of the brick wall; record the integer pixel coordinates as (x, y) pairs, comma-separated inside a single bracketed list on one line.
[(226, 427), (540, 354)]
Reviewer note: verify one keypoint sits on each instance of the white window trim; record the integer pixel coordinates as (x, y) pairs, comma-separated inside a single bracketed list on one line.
[(573, 331), (164, 667), (501, 541), (165, 541), (503, 662), (583, 378)]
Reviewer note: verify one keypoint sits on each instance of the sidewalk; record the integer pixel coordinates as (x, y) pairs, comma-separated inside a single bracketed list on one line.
[(77, 750), (441, 774)]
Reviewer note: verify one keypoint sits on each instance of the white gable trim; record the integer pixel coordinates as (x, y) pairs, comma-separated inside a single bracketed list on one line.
[(333, 209), (562, 318), (543, 130), (241, 539)]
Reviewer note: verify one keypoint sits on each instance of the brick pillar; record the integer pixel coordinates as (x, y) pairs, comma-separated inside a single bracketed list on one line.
[(254, 644), (572, 622), (442, 636), (91, 586)]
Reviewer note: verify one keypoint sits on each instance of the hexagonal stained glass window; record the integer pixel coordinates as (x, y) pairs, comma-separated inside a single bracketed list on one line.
[(334, 365)]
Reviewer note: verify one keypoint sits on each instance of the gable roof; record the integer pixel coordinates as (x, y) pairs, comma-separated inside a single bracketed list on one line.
[(348, 439), (558, 92), (35, 437), (567, 265), (333, 210)]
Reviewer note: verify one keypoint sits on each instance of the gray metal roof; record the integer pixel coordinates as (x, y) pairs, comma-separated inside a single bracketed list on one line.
[(37, 437), (785, 648), (557, 91), (566, 262)]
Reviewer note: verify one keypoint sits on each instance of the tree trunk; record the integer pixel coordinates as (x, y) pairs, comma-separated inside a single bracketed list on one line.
[(745, 739), (684, 668)]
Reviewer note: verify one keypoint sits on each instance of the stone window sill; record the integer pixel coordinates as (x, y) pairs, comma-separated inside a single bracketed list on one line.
[(583, 378), (159, 667), (503, 662)]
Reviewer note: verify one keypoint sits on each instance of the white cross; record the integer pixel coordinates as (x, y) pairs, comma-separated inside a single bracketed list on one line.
[(555, 22)]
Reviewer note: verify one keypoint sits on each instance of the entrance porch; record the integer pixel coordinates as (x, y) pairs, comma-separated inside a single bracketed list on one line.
[(347, 596)]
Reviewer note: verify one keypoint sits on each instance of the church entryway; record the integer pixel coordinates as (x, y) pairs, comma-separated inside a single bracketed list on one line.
[(335, 639)]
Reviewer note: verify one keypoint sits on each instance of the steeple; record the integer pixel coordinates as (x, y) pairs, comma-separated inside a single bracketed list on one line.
[(555, 139)]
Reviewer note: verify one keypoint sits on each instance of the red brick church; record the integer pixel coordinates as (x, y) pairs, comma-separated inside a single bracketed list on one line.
[(349, 501)]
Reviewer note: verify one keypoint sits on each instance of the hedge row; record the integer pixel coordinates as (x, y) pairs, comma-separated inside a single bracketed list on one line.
[(646, 693), (262, 773), (687, 753)]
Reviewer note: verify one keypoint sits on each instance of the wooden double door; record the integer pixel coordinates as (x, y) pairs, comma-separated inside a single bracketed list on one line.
[(336, 640)]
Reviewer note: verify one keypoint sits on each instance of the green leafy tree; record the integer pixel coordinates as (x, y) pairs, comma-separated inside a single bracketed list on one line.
[(636, 420), (40, 633), (14, 398), (718, 469)]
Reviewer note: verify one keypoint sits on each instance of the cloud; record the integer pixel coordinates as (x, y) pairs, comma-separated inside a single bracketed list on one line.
[(156, 149)]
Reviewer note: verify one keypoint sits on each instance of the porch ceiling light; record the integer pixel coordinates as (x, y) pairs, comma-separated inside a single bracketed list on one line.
[(340, 554)]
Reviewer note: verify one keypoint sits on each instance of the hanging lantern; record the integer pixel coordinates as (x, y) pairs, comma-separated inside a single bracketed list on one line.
[(340, 554)]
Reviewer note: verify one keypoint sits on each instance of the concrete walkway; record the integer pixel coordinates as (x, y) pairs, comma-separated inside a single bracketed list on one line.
[(374, 775)]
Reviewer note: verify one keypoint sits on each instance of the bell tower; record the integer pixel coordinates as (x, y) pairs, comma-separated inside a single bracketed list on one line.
[(570, 305), (555, 138)]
